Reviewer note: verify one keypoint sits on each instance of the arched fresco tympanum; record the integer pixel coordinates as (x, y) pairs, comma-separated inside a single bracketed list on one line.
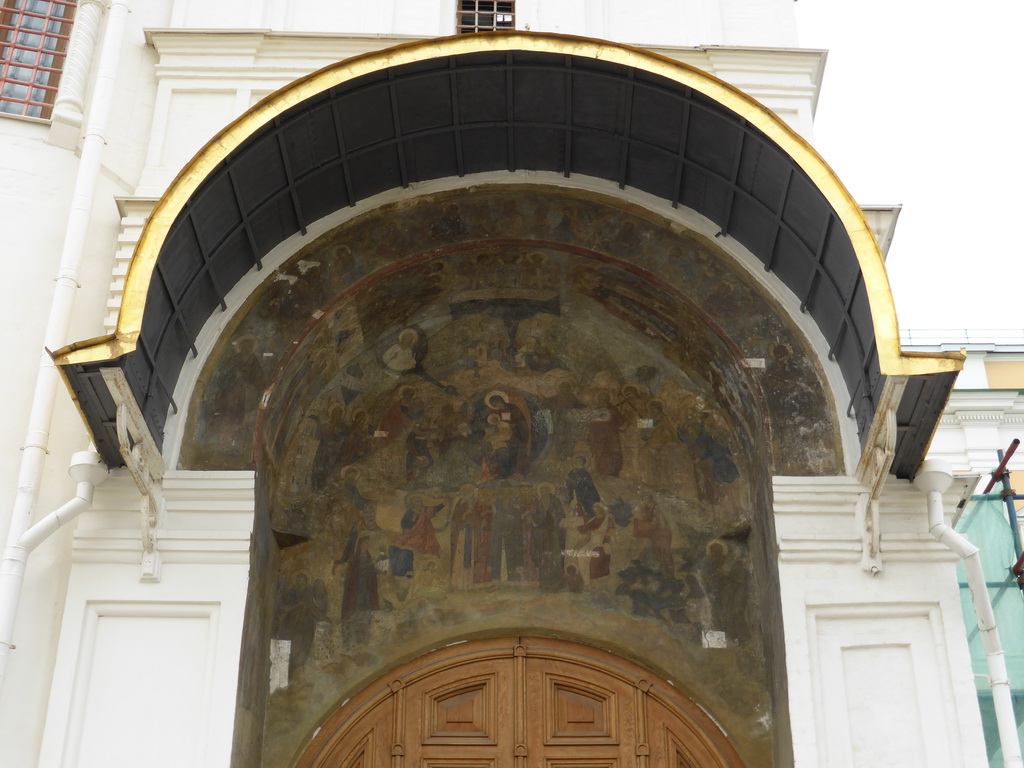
[(511, 409), (803, 441)]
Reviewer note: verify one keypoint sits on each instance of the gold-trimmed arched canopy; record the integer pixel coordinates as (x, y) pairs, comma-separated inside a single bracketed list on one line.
[(476, 103)]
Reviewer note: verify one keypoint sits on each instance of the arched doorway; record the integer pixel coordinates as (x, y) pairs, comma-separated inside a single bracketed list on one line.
[(519, 701), (510, 411)]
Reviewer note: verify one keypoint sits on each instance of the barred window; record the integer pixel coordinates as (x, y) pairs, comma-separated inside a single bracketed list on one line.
[(485, 15), (33, 43)]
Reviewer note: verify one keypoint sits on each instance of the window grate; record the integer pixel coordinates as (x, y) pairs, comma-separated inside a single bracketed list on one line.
[(33, 43), (485, 16)]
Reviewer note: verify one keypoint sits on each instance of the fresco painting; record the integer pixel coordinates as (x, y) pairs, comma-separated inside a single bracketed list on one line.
[(505, 451), (527, 220), (518, 410)]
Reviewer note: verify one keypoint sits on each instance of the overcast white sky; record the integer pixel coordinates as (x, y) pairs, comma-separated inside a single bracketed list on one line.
[(921, 105)]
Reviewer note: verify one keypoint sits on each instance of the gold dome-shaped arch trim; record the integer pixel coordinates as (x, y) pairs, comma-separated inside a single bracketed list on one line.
[(892, 361)]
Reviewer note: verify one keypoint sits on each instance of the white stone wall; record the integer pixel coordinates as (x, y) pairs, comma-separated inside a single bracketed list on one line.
[(659, 22), (879, 670), (36, 181), (146, 672), (111, 671)]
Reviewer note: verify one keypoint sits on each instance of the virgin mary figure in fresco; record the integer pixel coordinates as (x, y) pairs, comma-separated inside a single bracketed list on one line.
[(507, 437)]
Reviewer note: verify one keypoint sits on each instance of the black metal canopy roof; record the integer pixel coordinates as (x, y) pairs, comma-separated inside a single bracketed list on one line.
[(476, 104)]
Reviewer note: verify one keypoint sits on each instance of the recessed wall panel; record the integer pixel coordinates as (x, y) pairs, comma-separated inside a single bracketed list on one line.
[(145, 693)]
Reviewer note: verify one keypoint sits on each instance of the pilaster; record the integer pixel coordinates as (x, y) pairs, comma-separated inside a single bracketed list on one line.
[(138, 660), (878, 665)]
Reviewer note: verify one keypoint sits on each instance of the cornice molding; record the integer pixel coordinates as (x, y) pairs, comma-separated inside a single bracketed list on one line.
[(255, 54), (209, 518)]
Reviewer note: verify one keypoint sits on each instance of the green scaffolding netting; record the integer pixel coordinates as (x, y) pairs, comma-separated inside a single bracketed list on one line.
[(985, 522)]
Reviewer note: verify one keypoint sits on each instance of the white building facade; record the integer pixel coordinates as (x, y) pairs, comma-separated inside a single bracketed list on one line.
[(136, 621)]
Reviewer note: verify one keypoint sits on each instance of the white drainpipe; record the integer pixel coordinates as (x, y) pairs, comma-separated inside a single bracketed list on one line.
[(59, 321), (934, 478), (87, 471)]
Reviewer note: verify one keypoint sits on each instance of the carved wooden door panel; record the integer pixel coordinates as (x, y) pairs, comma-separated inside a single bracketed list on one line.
[(460, 717), (578, 716), (519, 703)]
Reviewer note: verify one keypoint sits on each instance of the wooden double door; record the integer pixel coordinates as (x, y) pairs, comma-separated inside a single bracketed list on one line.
[(519, 703)]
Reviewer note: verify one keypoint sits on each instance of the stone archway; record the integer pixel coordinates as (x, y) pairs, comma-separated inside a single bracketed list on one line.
[(522, 409), (519, 701)]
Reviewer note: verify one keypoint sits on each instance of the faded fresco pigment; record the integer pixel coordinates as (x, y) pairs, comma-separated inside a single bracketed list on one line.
[(523, 411), (803, 422)]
